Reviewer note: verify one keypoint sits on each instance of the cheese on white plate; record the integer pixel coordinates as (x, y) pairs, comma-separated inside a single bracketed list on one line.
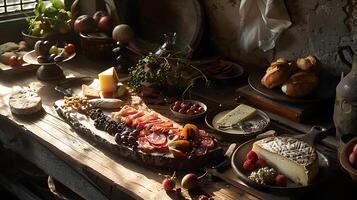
[(294, 158), (108, 80), (238, 114)]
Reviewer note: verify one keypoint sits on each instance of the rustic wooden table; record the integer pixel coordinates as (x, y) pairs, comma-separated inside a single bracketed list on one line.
[(92, 172)]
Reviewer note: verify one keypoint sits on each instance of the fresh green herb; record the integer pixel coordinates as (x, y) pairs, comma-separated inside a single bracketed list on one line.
[(164, 72), (48, 20)]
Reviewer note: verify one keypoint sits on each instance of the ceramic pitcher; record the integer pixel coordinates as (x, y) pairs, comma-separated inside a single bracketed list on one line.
[(345, 111)]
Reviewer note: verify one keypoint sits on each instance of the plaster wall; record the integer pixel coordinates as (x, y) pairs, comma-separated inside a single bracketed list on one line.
[(319, 27)]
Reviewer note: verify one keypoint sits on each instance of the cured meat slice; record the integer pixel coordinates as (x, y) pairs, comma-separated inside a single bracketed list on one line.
[(129, 119), (144, 145), (207, 142), (157, 139), (147, 125), (146, 118), (162, 127), (127, 110), (144, 132)]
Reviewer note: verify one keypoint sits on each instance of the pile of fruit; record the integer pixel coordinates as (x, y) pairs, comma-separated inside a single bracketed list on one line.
[(47, 53), (189, 181), (260, 172), (187, 108), (101, 21), (352, 158), (49, 20)]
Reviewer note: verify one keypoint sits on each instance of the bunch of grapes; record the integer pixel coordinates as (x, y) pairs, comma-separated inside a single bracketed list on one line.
[(127, 137)]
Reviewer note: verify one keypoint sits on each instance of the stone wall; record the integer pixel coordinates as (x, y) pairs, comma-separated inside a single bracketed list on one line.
[(319, 27)]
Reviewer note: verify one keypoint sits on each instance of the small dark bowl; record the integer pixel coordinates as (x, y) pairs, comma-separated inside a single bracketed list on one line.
[(345, 152), (59, 39), (187, 116)]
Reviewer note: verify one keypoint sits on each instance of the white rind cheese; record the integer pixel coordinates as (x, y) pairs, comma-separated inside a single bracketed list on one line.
[(240, 113), (25, 102), (294, 158)]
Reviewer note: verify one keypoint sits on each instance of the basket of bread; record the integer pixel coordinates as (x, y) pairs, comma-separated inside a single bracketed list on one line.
[(296, 79)]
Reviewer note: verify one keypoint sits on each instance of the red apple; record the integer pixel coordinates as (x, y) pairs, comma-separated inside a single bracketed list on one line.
[(106, 24), (98, 15), (84, 24)]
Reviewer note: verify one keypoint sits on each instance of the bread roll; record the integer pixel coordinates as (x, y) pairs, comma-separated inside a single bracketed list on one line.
[(309, 64), (300, 84), (276, 74)]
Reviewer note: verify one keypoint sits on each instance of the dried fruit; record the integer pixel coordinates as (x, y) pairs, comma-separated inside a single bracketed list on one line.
[(280, 180), (251, 155), (248, 165)]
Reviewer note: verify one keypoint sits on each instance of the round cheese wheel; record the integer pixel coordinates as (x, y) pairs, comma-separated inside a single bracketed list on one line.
[(25, 102)]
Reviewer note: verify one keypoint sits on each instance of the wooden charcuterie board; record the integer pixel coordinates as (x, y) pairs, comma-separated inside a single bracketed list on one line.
[(83, 125)]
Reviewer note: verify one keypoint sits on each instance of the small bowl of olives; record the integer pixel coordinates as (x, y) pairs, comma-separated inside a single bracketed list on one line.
[(188, 109)]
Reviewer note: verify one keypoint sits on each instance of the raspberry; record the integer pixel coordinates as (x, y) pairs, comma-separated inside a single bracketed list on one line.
[(280, 180), (248, 165), (261, 163), (251, 155)]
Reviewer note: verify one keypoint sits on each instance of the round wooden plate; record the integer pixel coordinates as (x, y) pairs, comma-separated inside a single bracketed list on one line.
[(239, 157), (31, 58)]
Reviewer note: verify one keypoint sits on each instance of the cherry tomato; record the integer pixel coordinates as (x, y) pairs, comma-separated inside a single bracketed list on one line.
[(13, 61), (182, 111), (177, 103), (70, 49), (183, 105), (190, 112)]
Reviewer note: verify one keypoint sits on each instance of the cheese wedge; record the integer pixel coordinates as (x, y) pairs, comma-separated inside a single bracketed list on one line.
[(294, 158), (238, 114), (108, 80)]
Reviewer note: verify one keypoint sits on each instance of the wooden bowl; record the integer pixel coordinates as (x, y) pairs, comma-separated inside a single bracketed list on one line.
[(188, 116), (345, 152)]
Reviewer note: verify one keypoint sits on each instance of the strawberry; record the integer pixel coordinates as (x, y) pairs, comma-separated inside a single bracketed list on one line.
[(248, 165), (280, 180), (251, 155), (261, 163)]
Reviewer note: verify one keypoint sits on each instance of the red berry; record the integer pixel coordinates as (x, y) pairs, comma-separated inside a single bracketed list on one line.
[(261, 163), (355, 148), (353, 159), (280, 180), (203, 197), (251, 155), (70, 49), (13, 61), (248, 165), (169, 183)]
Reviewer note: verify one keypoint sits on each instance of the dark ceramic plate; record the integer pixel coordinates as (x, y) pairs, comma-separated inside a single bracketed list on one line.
[(325, 91), (230, 134), (239, 157)]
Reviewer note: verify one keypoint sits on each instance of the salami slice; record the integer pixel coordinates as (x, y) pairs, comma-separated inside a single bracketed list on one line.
[(156, 139), (207, 142), (144, 145)]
